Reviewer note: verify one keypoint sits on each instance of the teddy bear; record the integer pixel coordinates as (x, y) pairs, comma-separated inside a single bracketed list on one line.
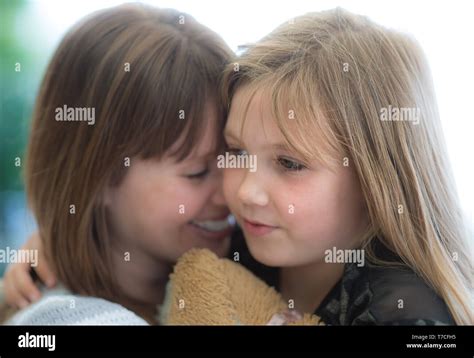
[(207, 290)]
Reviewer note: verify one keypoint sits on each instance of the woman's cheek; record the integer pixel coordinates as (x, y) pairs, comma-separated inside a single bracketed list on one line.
[(185, 202), (192, 198), (230, 184)]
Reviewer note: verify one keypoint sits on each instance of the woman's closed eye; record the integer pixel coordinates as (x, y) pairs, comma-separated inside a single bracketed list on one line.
[(199, 175)]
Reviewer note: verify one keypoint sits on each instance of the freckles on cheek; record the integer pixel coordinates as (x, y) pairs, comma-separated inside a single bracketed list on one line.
[(294, 201), (307, 207)]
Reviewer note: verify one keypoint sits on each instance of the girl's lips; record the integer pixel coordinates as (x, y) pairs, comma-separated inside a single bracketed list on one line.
[(257, 229)]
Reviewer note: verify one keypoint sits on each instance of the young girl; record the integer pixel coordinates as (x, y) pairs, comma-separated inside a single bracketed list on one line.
[(353, 197), (120, 196)]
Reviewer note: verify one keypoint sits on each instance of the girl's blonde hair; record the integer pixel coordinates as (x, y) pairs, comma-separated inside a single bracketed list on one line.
[(330, 76)]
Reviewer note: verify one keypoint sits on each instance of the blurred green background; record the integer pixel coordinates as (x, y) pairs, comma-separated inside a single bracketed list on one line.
[(21, 68)]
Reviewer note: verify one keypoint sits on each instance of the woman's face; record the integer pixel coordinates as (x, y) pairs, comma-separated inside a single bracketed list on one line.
[(164, 208)]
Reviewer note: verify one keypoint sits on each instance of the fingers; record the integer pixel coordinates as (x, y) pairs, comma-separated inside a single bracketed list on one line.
[(42, 269), (13, 296), (44, 272), (19, 286), (25, 285), (14, 299)]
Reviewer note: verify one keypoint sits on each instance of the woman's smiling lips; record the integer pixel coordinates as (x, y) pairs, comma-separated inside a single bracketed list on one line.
[(256, 228), (216, 228)]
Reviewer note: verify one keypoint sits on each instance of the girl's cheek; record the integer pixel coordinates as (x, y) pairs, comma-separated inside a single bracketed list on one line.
[(291, 197)]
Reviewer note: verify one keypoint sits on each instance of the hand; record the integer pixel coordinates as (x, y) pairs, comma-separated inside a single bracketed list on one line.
[(285, 318), (20, 289)]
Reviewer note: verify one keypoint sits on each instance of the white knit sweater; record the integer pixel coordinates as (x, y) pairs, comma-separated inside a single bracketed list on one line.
[(61, 307)]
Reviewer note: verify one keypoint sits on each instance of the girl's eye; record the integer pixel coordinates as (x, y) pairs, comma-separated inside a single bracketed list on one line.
[(199, 175), (290, 165), (237, 151)]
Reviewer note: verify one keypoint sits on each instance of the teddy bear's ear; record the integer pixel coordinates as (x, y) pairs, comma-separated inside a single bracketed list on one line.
[(198, 292)]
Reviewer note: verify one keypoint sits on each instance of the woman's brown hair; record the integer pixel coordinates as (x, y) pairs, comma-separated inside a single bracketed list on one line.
[(147, 73)]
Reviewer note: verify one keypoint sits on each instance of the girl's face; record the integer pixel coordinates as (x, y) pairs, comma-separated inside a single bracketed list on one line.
[(164, 208), (290, 213)]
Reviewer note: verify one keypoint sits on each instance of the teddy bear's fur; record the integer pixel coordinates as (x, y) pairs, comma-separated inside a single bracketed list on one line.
[(206, 290)]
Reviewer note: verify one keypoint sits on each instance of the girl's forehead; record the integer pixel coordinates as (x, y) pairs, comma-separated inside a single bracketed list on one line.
[(248, 103), (274, 117)]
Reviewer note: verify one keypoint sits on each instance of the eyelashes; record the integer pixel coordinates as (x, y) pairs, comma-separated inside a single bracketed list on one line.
[(284, 163), (200, 175), (237, 151), (289, 164)]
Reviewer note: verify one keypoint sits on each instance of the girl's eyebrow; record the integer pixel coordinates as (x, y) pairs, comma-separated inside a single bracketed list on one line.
[(229, 134), (274, 146), (280, 146)]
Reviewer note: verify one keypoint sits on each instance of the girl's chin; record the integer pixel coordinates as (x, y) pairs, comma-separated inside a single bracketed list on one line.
[(265, 255)]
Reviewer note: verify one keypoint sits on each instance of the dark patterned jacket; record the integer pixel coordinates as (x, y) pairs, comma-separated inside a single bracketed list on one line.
[(367, 295)]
